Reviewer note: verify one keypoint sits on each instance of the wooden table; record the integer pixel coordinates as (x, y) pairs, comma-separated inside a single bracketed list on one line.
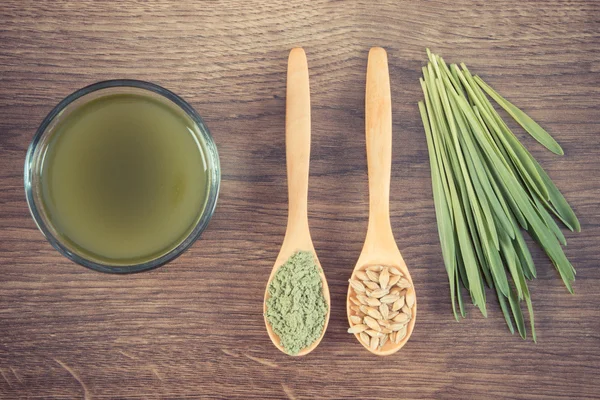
[(187, 331)]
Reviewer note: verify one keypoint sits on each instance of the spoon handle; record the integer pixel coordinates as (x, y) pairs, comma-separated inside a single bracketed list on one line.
[(297, 140), (378, 122)]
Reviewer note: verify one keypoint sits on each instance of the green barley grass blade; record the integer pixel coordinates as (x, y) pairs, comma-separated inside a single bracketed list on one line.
[(551, 246), (496, 267), (524, 255), (433, 107), (536, 131), (505, 311), (468, 256), (466, 247), (467, 265), (494, 178), (492, 171), (436, 106), (439, 188), (523, 162), (527, 296), (467, 212), (434, 63), (444, 68), (467, 208), (473, 227), (476, 239), (477, 171), (450, 117), (561, 207), (520, 275), (565, 270), (512, 204), (522, 291), (550, 207), (487, 115), (508, 253), (491, 185), (471, 206), (461, 305), (487, 128), (516, 171), (476, 167), (499, 196), (572, 268), (540, 232), (517, 153), (526, 272), (478, 129), (445, 228), (435, 126), (474, 235), (522, 287), (485, 224), (510, 208), (550, 223), (438, 122), (485, 192), (496, 161), (546, 239), (462, 272), (455, 82), (456, 78), (453, 114), (531, 319), (543, 182), (517, 313)]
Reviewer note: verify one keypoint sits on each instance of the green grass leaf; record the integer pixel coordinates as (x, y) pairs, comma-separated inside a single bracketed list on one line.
[(523, 162), (505, 311), (524, 255), (442, 141), (543, 213), (480, 205), (532, 127), (513, 300), (445, 227), (508, 253), (478, 173), (486, 186), (562, 208)]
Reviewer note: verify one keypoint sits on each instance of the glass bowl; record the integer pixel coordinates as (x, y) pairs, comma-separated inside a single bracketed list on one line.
[(39, 144)]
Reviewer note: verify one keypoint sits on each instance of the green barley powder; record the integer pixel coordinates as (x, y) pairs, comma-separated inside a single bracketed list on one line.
[(296, 308)]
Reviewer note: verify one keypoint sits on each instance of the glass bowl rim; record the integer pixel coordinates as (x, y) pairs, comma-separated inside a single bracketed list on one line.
[(212, 158)]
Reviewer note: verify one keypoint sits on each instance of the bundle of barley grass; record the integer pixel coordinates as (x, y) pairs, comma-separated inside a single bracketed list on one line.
[(486, 188)]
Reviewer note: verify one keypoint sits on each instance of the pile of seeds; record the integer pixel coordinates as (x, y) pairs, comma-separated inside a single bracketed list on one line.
[(383, 300)]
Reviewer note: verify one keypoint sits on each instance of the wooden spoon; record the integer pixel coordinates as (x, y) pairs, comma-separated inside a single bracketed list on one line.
[(297, 143), (380, 246)]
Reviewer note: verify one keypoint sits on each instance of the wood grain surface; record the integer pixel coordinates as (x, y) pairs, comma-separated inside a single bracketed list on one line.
[(194, 328)]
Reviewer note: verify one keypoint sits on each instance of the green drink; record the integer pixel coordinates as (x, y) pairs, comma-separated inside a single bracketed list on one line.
[(123, 178)]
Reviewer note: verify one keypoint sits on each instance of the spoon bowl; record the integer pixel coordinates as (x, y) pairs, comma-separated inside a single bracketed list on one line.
[(287, 250), (297, 139), (380, 247)]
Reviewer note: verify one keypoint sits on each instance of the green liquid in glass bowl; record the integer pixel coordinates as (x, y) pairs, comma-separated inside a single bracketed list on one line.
[(122, 178)]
